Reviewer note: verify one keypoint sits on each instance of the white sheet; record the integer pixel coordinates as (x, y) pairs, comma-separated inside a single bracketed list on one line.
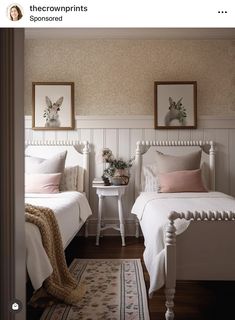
[(152, 210), (71, 209)]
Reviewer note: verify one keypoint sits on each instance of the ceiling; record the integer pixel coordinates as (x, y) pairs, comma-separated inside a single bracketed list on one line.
[(130, 33)]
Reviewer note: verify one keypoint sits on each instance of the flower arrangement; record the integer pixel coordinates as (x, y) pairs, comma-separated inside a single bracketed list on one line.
[(117, 167)]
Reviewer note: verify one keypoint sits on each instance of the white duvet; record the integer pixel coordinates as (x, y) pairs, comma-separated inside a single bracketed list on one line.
[(71, 209), (152, 210)]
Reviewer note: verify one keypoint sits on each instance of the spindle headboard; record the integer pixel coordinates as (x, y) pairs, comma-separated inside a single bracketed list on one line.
[(77, 154), (145, 151)]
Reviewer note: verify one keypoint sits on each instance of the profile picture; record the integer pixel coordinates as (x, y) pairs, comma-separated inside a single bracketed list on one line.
[(15, 12)]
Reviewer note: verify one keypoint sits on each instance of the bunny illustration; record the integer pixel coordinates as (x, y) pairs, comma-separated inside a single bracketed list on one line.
[(176, 112), (51, 112)]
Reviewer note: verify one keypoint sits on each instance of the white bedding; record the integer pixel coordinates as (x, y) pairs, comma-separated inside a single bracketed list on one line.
[(152, 210), (71, 209)]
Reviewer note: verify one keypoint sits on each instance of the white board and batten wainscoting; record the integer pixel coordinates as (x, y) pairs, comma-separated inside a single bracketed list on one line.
[(120, 134)]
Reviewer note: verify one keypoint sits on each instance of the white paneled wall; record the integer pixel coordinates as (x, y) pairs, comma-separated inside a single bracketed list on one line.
[(120, 135)]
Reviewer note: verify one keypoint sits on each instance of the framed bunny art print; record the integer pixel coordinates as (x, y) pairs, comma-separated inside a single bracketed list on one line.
[(175, 104), (53, 106)]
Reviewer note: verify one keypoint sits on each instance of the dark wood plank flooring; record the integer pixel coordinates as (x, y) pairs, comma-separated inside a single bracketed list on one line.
[(201, 300)]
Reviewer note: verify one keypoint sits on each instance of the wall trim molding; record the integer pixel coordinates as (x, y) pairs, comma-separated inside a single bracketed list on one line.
[(141, 121)]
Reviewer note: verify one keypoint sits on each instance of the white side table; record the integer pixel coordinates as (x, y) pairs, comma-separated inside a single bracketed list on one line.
[(110, 191)]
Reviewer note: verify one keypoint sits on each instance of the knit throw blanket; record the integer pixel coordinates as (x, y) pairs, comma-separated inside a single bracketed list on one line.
[(60, 285)]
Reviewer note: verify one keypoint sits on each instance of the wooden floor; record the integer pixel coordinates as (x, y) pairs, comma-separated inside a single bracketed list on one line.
[(194, 300)]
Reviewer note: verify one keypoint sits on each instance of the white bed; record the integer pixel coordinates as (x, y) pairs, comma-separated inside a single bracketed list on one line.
[(203, 222), (71, 208)]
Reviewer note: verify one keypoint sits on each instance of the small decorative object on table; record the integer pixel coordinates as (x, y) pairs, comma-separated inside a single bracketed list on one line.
[(117, 172), (119, 180), (98, 182), (106, 181)]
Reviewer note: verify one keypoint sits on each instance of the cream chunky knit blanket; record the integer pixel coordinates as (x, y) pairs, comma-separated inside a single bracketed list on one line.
[(60, 284)]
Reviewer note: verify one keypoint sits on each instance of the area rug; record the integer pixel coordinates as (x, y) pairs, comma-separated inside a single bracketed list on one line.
[(115, 290)]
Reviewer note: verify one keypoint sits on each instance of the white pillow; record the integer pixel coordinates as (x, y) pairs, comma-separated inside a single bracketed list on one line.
[(206, 175), (150, 173), (169, 163), (72, 179), (54, 164)]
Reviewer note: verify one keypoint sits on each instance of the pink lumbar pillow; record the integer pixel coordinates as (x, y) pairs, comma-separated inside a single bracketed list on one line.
[(42, 182), (181, 181)]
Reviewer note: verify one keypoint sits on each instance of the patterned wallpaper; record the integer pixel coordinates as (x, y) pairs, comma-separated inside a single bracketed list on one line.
[(114, 77)]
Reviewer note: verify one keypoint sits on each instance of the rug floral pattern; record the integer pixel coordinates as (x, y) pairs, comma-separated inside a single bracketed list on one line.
[(115, 290)]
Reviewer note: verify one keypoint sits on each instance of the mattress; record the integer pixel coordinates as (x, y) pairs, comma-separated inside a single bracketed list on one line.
[(71, 209), (152, 210)]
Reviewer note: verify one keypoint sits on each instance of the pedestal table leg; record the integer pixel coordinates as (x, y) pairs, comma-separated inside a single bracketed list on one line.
[(120, 213)]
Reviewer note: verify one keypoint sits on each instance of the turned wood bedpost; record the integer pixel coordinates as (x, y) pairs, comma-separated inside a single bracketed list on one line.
[(170, 265), (138, 162), (170, 256), (85, 152), (212, 165)]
